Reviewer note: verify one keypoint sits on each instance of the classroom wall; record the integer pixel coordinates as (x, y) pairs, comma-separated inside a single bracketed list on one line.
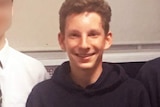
[(35, 24)]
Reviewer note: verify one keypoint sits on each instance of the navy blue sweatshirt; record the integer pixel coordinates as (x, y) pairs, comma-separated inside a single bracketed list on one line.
[(149, 75), (113, 89)]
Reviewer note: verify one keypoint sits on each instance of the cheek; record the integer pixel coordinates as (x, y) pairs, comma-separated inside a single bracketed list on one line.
[(70, 44), (99, 44), (5, 21), (5, 14)]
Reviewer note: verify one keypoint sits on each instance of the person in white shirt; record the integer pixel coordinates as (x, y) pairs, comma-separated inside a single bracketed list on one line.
[(18, 72)]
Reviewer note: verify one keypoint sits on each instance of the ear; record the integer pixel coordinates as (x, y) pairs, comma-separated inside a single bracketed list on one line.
[(108, 40), (61, 38)]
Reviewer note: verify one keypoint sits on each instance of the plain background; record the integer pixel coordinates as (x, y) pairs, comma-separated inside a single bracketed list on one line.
[(36, 24)]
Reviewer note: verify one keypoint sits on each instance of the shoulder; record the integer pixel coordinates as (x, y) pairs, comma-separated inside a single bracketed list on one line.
[(39, 93), (135, 89), (134, 84), (21, 56), (152, 64), (127, 82), (156, 60), (136, 93), (44, 87), (150, 69), (30, 65), (24, 59)]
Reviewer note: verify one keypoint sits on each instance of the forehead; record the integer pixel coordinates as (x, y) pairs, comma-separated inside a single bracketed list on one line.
[(84, 15), (87, 19)]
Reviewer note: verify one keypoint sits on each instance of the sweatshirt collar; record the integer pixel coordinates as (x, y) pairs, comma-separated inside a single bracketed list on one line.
[(112, 76)]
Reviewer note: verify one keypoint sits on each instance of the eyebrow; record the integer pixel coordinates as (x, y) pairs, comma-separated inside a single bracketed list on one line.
[(76, 31)]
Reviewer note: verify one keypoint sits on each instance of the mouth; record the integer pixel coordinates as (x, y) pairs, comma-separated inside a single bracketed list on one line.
[(85, 55)]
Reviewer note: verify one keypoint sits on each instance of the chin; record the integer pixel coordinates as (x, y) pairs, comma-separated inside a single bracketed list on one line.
[(86, 66)]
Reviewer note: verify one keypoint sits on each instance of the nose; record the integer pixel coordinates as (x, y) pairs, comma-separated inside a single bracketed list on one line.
[(84, 42)]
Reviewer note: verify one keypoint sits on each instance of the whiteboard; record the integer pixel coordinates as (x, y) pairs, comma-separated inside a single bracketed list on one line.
[(36, 23)]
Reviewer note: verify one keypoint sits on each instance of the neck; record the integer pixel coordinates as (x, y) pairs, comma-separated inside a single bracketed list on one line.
[(2, 41), (85, 77)]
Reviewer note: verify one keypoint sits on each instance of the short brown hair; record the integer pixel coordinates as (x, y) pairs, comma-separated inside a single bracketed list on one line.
[(79, 6)]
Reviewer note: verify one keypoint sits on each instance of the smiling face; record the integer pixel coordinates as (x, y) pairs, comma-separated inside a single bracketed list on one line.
[(5, 15), (84, 40)]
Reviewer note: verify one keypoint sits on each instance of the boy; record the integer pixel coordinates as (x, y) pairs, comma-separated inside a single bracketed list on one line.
[(86, 81), (18, 72)]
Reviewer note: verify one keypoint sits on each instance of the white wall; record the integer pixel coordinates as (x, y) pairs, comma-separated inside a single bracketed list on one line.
[(35, 23), (136, 21)]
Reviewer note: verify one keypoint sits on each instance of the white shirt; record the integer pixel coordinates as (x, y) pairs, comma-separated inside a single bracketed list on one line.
[(18, 76)]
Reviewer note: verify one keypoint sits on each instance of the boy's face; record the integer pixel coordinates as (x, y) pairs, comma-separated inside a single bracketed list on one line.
[(84, 40), (5, 15)]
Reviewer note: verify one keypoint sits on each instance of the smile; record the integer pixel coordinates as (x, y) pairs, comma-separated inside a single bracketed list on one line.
[(85, 55)]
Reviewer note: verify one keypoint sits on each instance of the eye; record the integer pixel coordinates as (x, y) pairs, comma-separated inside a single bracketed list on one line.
[(74, 35), (94, 34)]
